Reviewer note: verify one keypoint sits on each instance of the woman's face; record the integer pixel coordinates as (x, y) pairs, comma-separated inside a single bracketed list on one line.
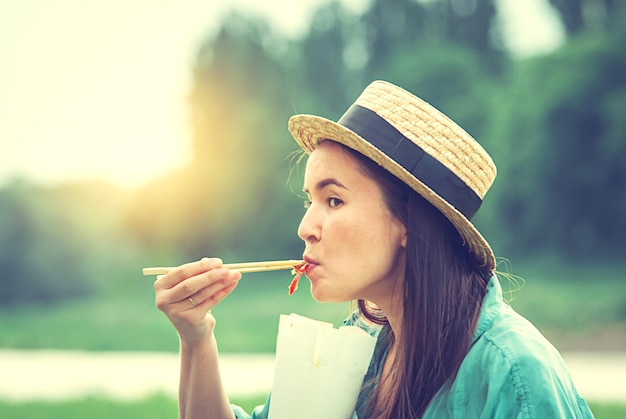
[(355, 245)]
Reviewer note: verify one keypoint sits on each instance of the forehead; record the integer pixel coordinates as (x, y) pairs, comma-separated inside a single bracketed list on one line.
[(331, 159)]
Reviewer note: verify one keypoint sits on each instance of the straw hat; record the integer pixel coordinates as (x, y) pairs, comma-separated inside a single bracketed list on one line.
[(419, 145)]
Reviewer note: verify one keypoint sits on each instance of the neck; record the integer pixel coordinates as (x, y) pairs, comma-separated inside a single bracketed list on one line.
[(395, 322), (389, 297), (393, 309)]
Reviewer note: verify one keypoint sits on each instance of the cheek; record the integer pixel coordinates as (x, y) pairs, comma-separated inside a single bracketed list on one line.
[(362, 241), (346, 235), (377, 249), (362, 250)]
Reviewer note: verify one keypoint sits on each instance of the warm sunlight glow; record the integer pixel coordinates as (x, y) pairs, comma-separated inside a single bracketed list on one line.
[(99, 89), (530, 26), (94, 93)]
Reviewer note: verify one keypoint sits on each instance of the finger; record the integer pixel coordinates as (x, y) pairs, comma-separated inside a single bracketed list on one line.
[(206, 299), (229, 280), (199, 288), (211, 279), (167, 298), (182, 272)]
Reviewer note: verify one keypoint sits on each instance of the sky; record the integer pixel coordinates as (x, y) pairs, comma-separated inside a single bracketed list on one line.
[(96, 89)]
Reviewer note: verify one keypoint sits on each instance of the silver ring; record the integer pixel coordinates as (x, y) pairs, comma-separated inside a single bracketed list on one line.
[(192, 302)]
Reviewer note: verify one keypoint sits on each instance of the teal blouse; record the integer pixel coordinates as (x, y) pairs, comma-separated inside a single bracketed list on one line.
[(510, 371)]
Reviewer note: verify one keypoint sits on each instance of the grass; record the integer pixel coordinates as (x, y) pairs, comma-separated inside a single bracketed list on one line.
[(157, 406), (162, 406), (576, 308), (569, 304), (154, 407), (608, 410), (247, 320)]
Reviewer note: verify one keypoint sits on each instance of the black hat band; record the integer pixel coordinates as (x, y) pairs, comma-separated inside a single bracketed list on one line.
[(432, 173)]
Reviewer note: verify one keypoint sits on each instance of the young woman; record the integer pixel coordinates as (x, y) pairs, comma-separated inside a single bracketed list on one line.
[(391, 190)]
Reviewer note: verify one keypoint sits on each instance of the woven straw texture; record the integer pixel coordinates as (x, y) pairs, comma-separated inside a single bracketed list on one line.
[(432, 131)]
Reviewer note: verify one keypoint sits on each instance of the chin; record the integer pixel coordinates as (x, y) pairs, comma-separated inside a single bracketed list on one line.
[(318, 294), (322, 295)]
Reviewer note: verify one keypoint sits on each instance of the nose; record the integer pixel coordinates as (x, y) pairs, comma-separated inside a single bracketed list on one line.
[(310, 227)]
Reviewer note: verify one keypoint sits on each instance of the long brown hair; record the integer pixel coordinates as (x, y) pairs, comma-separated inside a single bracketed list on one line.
[(443, 290)]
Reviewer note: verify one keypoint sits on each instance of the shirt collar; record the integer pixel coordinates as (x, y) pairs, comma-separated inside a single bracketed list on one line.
[(490, 307)]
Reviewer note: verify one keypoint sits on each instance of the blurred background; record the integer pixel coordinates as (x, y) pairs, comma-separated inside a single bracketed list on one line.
[(140, 133)]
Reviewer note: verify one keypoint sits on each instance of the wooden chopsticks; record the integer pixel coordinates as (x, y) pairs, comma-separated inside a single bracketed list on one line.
[(245, 267)]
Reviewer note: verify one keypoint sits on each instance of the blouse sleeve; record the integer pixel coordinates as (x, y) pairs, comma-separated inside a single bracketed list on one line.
[(259, 412), (536, 390)]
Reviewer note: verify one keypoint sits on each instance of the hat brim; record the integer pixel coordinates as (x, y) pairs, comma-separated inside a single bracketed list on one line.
[(310, 130)]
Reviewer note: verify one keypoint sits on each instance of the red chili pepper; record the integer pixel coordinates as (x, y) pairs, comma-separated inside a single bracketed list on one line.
[(297, 270)]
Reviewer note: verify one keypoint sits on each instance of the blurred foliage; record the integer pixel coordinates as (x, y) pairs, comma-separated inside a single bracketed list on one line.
[(248, 320), (60, 242), (581, 15), (560, 147), (554, 125)]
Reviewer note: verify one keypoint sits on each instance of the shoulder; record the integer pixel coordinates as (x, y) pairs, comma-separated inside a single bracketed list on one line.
[(513, 347), (510, 371), (512, 357), (506, 341)]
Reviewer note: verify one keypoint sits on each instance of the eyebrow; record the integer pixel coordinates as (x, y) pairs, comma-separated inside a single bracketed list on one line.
[(324, 183)]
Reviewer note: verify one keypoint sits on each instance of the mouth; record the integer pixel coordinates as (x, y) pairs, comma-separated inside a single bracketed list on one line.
[(309, 260), (312, 264)]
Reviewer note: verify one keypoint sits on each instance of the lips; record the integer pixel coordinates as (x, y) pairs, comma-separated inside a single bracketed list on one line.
[(309, 260)]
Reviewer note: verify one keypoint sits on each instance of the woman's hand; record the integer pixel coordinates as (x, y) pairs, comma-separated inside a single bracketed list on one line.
[(188, 293)]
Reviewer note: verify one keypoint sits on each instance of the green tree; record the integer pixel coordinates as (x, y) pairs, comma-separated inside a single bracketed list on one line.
[(404, 25), (579, 16), (248, 81), (58, 243), (228, 201), (559, 134)]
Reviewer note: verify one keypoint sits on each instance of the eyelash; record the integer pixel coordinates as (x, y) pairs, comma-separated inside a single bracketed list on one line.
[(307, 202)]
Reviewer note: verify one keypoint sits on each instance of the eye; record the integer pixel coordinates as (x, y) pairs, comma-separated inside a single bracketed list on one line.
[(334, 202)]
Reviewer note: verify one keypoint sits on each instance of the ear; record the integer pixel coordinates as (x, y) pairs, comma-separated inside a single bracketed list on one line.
[(403, 239)]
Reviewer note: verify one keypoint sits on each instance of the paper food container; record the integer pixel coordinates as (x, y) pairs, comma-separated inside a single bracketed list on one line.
[(319, 370)]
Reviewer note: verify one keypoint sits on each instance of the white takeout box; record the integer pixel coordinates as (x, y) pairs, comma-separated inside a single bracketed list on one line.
[(319, 370)]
